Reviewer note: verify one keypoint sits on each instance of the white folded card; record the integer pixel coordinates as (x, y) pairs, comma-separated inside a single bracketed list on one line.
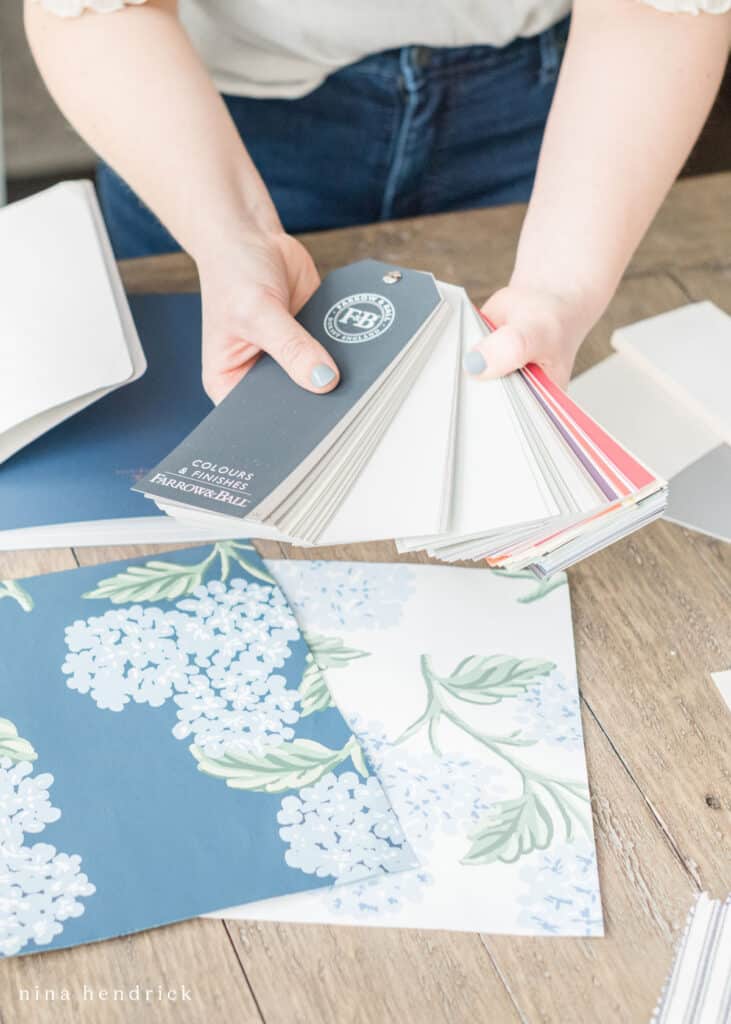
[(66, 333)]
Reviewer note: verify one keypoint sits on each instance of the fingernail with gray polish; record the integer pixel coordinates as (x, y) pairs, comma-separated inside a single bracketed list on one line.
[(322, 375), (474, 362)]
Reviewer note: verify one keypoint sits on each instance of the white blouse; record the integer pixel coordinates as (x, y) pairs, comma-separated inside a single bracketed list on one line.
[(286, 48)]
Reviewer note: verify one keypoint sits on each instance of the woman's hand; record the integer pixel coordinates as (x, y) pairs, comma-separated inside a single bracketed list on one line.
[(251, 291), (532, 326), (613, 144), (154, 114)]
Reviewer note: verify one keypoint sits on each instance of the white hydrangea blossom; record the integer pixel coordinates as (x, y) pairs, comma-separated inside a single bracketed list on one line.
[(39, 887), (344, 827), (260, 715), (561, 890), (24, 802), (330, 595), (128, 653), (215, 654), (550, 712)]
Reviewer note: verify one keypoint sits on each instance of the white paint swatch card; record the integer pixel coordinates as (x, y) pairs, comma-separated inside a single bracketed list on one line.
[(633, 406), (66, 332), (420, 437), (461, 686), (688, 352)]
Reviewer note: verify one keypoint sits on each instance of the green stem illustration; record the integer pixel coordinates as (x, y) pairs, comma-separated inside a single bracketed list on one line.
[(226, 551), (541, 588), (437, 708), (504, 838)]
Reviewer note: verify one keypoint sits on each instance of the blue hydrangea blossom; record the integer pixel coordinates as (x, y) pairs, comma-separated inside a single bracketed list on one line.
[(331, 595), (561, 890), (550, 712)]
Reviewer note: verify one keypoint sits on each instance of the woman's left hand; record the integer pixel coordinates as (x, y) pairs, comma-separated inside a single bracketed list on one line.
[(531, 326)]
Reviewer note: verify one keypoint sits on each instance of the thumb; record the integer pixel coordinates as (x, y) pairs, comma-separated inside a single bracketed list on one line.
[(273, 329), (499, 353)]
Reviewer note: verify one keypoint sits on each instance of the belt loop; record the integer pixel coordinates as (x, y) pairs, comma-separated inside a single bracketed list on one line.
[(548, 49)]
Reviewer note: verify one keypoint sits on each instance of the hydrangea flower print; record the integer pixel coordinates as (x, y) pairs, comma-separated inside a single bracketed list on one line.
[(429, 795), (40, 888), (215, 653), (238, 718), (375, 897), (561, 890), (449, 794), (130, 653), (342, 827), (550, 712), (330, 595)]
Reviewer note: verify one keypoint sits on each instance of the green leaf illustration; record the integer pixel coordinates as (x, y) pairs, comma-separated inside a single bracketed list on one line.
[(11, 588), (288, 766), (331, 652), (12, 745), (325, 653), (488, 680), (155, 581), (313, 690), (358, 758), (151, 582), (513, 829)]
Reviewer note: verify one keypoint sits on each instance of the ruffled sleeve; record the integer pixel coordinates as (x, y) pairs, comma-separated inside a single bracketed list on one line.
[(73, 8), (691, 6)]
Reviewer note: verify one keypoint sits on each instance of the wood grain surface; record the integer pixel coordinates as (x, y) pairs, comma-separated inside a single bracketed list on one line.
[(651, 618)]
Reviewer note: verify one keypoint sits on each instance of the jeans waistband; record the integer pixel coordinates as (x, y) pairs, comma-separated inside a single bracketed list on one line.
[(425, 60)]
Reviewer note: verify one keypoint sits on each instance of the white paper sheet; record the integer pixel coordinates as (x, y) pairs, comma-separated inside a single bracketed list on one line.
[(66, 333), (391, 635)]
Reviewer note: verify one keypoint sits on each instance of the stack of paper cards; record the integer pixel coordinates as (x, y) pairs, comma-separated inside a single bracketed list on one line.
[(66, 334), (157, 729), (663, 395), (407, 446)]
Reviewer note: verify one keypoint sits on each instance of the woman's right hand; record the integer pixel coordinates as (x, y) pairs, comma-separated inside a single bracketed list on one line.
[(167, 133), (251, 289)]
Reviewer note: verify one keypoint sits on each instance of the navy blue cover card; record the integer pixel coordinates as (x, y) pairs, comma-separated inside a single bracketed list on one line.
[(83, 469)]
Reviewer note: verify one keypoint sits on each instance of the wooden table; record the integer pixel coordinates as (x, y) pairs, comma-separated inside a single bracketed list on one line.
[(651, 622)]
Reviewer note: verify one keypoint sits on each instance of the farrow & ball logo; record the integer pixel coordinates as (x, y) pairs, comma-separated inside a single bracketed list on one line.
[(361, 317)]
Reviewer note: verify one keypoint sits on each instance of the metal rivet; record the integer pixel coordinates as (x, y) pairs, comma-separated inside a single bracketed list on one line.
[(393, 277)]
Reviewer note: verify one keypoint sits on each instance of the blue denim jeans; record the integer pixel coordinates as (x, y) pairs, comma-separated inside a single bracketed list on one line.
[(400, 133)]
